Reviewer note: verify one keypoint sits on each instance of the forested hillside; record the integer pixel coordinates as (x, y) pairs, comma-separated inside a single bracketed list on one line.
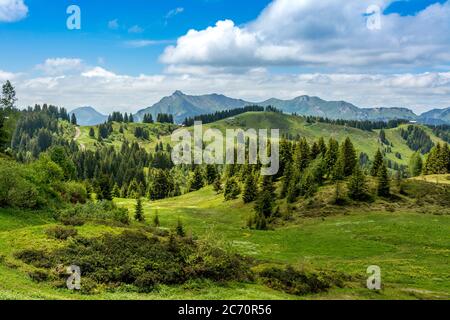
[(109, 199)]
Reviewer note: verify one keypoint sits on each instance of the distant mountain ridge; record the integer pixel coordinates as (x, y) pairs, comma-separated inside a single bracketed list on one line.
[(181, 106), (88, 116)]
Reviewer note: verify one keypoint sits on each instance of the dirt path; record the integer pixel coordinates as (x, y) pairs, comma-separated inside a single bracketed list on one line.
[(77, 136)]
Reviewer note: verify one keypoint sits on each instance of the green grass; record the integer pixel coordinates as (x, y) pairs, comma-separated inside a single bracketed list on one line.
[(412, 249)]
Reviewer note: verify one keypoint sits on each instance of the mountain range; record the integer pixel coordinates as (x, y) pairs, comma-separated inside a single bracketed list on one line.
[(181, 105)]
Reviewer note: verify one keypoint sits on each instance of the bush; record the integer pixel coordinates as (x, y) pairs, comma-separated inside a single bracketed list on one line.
[(135, 258), (300, 282), (73, 192), (98, 211), (39, 275), (61, 233)]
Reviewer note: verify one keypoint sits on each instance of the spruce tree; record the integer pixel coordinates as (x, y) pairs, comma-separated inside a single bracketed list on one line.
[(156, 222), (377, 163), (139, 212), (211, 173), (180, 229), (115, 193), (331, 156), (416, 164), (383, 187), (250, 189), (91, 132), (357, 185), (197, 181), (232, 189), (217, 185), (8, 97), (73, 119), (349, 157)]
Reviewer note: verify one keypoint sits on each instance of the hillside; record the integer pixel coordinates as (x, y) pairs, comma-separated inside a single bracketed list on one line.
[(436, 117), (365, 141)]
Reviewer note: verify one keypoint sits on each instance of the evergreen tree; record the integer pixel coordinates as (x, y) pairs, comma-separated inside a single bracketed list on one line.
[(180, 229), (91, 132), (357, 185), (115, 193), (156, 222), (232, 189), (139, 212), (331, 156), (197, 181), (416, 164), (383, 187), (73, 119), (211, 173), (377, 163), (8, 97), (266, 198), (349, 157), (260, 222), (250, 189), (104, 188), (217, 185)]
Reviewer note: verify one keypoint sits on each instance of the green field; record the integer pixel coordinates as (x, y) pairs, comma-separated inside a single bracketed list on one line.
[(412, 249)]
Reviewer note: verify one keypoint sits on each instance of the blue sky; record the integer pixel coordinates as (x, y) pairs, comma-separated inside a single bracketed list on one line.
[(43, 33), (129, 54)]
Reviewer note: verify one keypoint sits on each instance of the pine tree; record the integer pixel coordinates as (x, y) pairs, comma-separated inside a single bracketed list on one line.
[(211, 173), (331, 156), (377, 163), (8, 98), (250, 189), (180, 229), (197, 181), (91, 132), (217, 185), (416, 164), (260, 222), (139, 212), (383, 187), (349, 157), (232, 189), (265, 201), (357, 185), (156, 222), (115, 193), (73, 119)]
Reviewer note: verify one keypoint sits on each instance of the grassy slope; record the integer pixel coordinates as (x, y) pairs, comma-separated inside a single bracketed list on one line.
[(412, 249), (364, 141)]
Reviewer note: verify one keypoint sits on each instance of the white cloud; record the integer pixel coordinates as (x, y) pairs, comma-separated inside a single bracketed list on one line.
[(326, 33), (108, 91), (113, 24), (12, 10), (135, 29), (174, 12), (145, 43), (7, 75), (98, 72), (56, 66)]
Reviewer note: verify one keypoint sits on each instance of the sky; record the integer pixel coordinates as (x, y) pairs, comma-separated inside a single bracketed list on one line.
[(127, 55)]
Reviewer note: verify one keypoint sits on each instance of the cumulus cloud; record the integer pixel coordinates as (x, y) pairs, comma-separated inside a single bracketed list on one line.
[(56, 66), (12, 10), (107, 90), (326, 33)]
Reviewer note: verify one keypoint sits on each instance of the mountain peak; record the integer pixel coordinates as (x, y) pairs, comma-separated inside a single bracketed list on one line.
[(178, 93)]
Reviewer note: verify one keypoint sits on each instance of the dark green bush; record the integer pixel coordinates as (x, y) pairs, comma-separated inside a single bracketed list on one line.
[(39, 275), (300, 282), (143, 260), (61, 233)]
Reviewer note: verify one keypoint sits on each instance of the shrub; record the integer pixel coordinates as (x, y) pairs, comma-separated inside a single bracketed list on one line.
[(299, 282), (73, 192), (61, 233), (99, 211), (39, 275)]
